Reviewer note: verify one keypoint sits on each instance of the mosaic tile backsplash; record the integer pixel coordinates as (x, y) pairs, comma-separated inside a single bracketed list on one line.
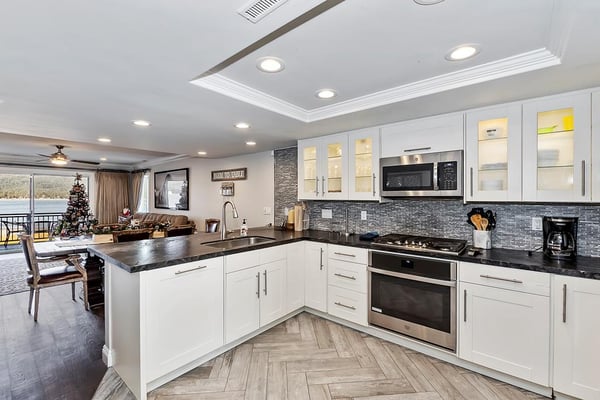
[(434, 217)]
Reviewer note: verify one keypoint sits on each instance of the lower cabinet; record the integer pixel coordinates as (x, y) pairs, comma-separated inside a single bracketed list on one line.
[(315, 276), (254, 296), (577, 336), (504, 320), (184, 314), (295, 276)]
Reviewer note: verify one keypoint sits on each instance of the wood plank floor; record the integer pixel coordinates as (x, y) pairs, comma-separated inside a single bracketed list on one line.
[(308, 357), (59, 357)]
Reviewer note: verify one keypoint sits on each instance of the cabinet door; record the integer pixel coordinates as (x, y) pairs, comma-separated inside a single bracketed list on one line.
[(242, 303), (315, 282), (363, 165), (272, 296), (295, 276), (576, 336), (505, 330), (184, 314), (334, 171), (493, 154), (556, 149), (425, 135), (596, 147), (309, 169)]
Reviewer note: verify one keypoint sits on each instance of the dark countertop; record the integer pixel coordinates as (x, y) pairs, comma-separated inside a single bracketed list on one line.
[(157, 253)]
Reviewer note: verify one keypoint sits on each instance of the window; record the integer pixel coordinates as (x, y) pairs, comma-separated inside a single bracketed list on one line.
[(144, 206)]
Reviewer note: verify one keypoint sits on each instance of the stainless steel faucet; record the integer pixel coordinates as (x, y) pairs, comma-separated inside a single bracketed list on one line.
[(224, 218)]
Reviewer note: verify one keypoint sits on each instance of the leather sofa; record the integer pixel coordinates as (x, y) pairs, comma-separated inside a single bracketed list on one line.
[(149, 220)]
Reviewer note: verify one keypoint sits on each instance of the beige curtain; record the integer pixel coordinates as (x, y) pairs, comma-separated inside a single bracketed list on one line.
[(112, 195), (137, 178)]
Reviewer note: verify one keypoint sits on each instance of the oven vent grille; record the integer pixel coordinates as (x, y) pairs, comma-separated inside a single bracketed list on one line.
[(257, 10)]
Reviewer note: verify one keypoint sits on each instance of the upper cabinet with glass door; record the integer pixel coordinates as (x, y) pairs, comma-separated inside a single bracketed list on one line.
[(322, 168), (556, 149), (493, 154), (363, 168)]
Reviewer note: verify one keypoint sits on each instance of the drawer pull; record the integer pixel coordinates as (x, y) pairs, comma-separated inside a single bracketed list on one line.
[(189, 270), (501, 279), (417, 149), (344, 254), (337, 303), (345, 276), (564, 303)]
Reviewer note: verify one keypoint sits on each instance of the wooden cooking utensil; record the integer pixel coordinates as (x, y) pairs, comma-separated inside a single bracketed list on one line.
[(484, 224), (476, 220)]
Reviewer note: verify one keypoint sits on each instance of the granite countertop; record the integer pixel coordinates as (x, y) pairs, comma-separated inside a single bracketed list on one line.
[(157, 253)]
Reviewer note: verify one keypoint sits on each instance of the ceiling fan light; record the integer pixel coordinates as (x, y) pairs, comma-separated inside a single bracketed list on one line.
[(59, 159)]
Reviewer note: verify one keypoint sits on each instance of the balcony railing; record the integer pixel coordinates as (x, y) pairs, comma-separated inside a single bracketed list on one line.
[(12, 225)]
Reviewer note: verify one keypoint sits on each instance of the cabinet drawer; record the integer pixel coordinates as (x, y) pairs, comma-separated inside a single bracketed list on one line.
[(190, 268), (347, 304), (271, 254), (506, 278), (346, 253), (248, 259), (347, 275)]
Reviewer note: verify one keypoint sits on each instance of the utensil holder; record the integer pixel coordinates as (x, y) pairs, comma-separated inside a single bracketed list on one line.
[(482, 239)]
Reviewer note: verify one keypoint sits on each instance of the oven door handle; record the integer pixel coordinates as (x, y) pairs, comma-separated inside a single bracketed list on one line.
[(412, 277)]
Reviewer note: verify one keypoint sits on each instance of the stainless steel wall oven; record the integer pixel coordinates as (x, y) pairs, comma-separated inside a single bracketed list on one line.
[(413, 295)]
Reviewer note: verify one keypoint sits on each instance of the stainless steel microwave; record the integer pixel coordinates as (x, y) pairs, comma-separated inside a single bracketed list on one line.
[(431, 174)]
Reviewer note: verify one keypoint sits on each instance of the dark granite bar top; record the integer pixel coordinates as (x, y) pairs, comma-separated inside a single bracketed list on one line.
[(157, 253)]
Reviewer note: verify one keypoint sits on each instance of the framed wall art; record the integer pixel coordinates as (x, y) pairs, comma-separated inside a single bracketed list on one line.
[(171, 189)]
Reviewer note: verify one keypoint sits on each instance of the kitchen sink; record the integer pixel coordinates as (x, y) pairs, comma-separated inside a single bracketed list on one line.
[(235, 243)]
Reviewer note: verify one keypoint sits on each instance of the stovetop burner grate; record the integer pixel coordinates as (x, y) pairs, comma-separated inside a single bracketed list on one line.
[(421, 243)]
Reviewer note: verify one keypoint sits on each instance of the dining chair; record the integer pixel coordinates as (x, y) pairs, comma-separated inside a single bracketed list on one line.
[(132, 235), (212, 224), (71, 272), (179, 231)]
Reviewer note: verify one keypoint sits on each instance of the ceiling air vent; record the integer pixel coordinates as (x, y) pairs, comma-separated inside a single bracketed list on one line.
[(257, 10)]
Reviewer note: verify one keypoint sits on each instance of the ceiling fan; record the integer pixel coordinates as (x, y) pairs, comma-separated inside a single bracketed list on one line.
[(60, 158)]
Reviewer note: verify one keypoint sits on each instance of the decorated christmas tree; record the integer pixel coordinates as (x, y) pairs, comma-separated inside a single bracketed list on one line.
[(78, 219)]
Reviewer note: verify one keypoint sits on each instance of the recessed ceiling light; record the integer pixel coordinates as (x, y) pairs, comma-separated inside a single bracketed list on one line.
[(242, 125), (104, 139), (325, 93), (103, 158), (251, 143), (462, 52), (427, 2), (270, 64), (142, 123), (201, 153)]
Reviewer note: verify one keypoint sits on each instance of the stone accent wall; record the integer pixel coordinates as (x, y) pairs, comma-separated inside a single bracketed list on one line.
[(436, 217), (286, 182)]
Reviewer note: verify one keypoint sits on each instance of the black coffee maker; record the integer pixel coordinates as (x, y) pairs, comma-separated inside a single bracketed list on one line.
[(560, 237)]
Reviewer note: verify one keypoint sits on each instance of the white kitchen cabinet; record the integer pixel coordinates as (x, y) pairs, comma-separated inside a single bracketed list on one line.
[(295, 276), (322, 168), (347, 283), (596, 147), (184, 314), (425, 135), (493, 154), (504, 320), (556, 149), (363, 164), (315, 276), (254, 294), (576, 338)]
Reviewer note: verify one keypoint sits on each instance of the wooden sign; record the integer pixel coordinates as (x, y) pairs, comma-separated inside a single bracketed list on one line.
[(237, 174)]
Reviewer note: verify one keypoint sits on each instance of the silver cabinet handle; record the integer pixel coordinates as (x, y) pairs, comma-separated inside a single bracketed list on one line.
[(501, 279), (373, 185), (337, 303), (344, 254), (465, 306), (265, 289), (565, 303), (345, 276), (322, 186), (321, 262), (471, 180), (583, 177), (317, 186), (258, 285), (189, 270), (417, 149)]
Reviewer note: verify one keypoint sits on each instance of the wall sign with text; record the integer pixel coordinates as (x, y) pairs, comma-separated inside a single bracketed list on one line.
[(237, 174)]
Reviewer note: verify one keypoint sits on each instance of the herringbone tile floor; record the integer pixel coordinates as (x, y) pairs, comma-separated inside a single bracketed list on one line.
[(308, 357)]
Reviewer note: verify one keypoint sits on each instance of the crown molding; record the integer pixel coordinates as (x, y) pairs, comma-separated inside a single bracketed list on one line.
[(521, 63)]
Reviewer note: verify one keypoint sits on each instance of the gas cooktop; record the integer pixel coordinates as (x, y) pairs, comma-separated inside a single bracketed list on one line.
[(421, 243)]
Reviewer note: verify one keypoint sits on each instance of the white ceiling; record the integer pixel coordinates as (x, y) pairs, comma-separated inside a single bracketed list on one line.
[(73, 71)]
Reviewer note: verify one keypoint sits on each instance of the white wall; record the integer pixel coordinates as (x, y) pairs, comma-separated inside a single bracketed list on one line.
[(205, 200)]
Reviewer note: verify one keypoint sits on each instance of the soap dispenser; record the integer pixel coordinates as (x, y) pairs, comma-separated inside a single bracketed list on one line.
[(244, 228)]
